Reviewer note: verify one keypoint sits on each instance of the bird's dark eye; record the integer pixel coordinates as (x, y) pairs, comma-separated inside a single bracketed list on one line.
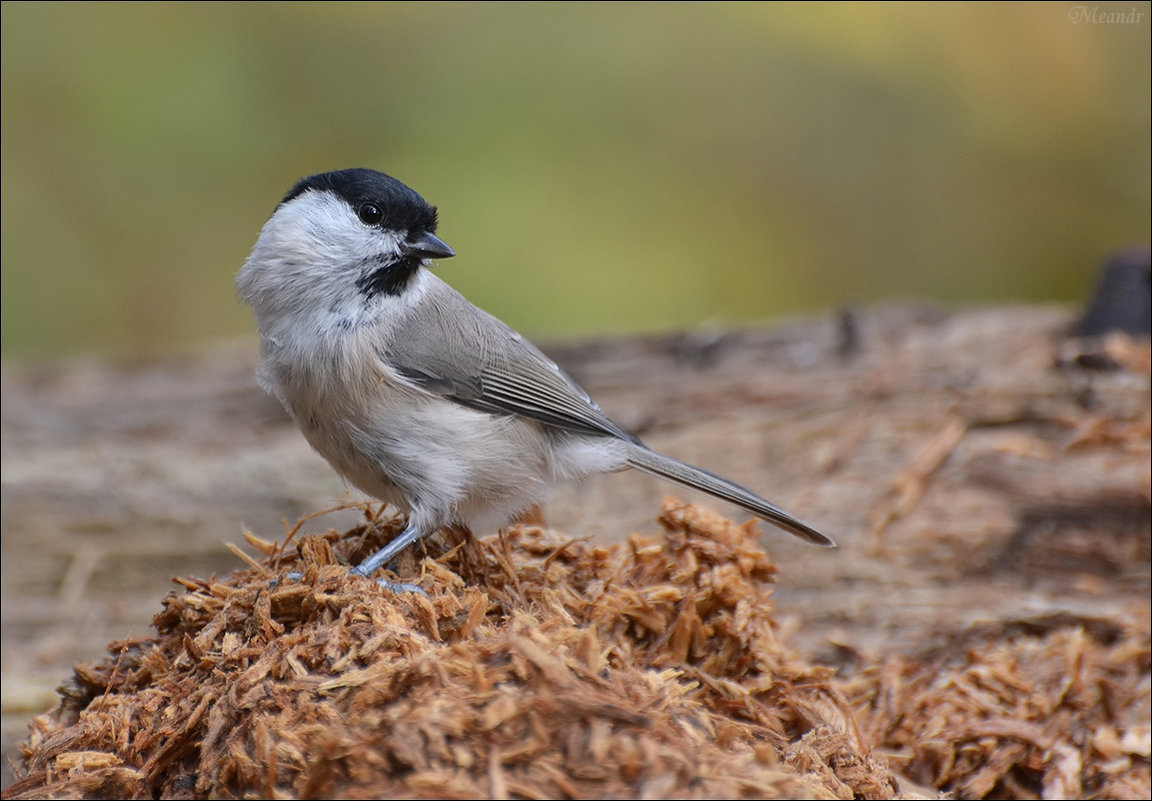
[(370, 213)]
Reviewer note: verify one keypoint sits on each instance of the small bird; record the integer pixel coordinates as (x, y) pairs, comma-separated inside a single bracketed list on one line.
[(415, 396)]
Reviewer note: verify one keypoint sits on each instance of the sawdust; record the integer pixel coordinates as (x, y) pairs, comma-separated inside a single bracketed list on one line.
[(535, 667), (542, 667), (1053, 707)]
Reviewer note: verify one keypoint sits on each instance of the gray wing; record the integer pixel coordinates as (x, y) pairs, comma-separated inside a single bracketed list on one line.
[(448, 346)]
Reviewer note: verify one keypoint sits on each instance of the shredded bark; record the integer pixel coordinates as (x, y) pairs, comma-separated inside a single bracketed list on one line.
[(538, 666), (535, 667), (1054, 707)]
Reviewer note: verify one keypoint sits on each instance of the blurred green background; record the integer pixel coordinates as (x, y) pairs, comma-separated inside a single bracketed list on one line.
[(598, 167)]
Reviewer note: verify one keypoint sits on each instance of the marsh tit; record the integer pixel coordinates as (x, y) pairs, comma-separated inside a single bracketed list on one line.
[(414, 395)]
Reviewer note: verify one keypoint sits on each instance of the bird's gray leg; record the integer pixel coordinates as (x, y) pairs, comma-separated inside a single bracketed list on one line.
[(385, 555)]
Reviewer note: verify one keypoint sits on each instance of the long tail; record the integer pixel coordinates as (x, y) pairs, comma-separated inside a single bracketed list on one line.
[(666, 467)]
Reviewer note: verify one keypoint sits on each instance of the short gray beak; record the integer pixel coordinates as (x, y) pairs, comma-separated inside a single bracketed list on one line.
[(430, 247)]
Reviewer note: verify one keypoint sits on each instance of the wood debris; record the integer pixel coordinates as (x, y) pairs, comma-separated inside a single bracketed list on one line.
[(535, 667), (1055, 707), (543, 667)]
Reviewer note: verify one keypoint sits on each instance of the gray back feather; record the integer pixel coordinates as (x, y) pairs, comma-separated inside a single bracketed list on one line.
[(447, 346)]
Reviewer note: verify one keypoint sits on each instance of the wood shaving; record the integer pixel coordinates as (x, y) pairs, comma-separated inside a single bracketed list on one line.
[(535, 667), (544, 667), (1031, 708)]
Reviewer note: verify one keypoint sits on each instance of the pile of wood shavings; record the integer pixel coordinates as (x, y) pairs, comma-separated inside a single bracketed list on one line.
[(536, 666), (1051, 707)]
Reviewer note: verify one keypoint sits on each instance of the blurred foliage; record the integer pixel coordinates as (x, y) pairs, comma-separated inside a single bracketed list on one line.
[(598, 167)]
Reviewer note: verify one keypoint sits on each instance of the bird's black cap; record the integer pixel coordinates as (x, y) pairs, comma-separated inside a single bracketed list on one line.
[(403, 208)]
